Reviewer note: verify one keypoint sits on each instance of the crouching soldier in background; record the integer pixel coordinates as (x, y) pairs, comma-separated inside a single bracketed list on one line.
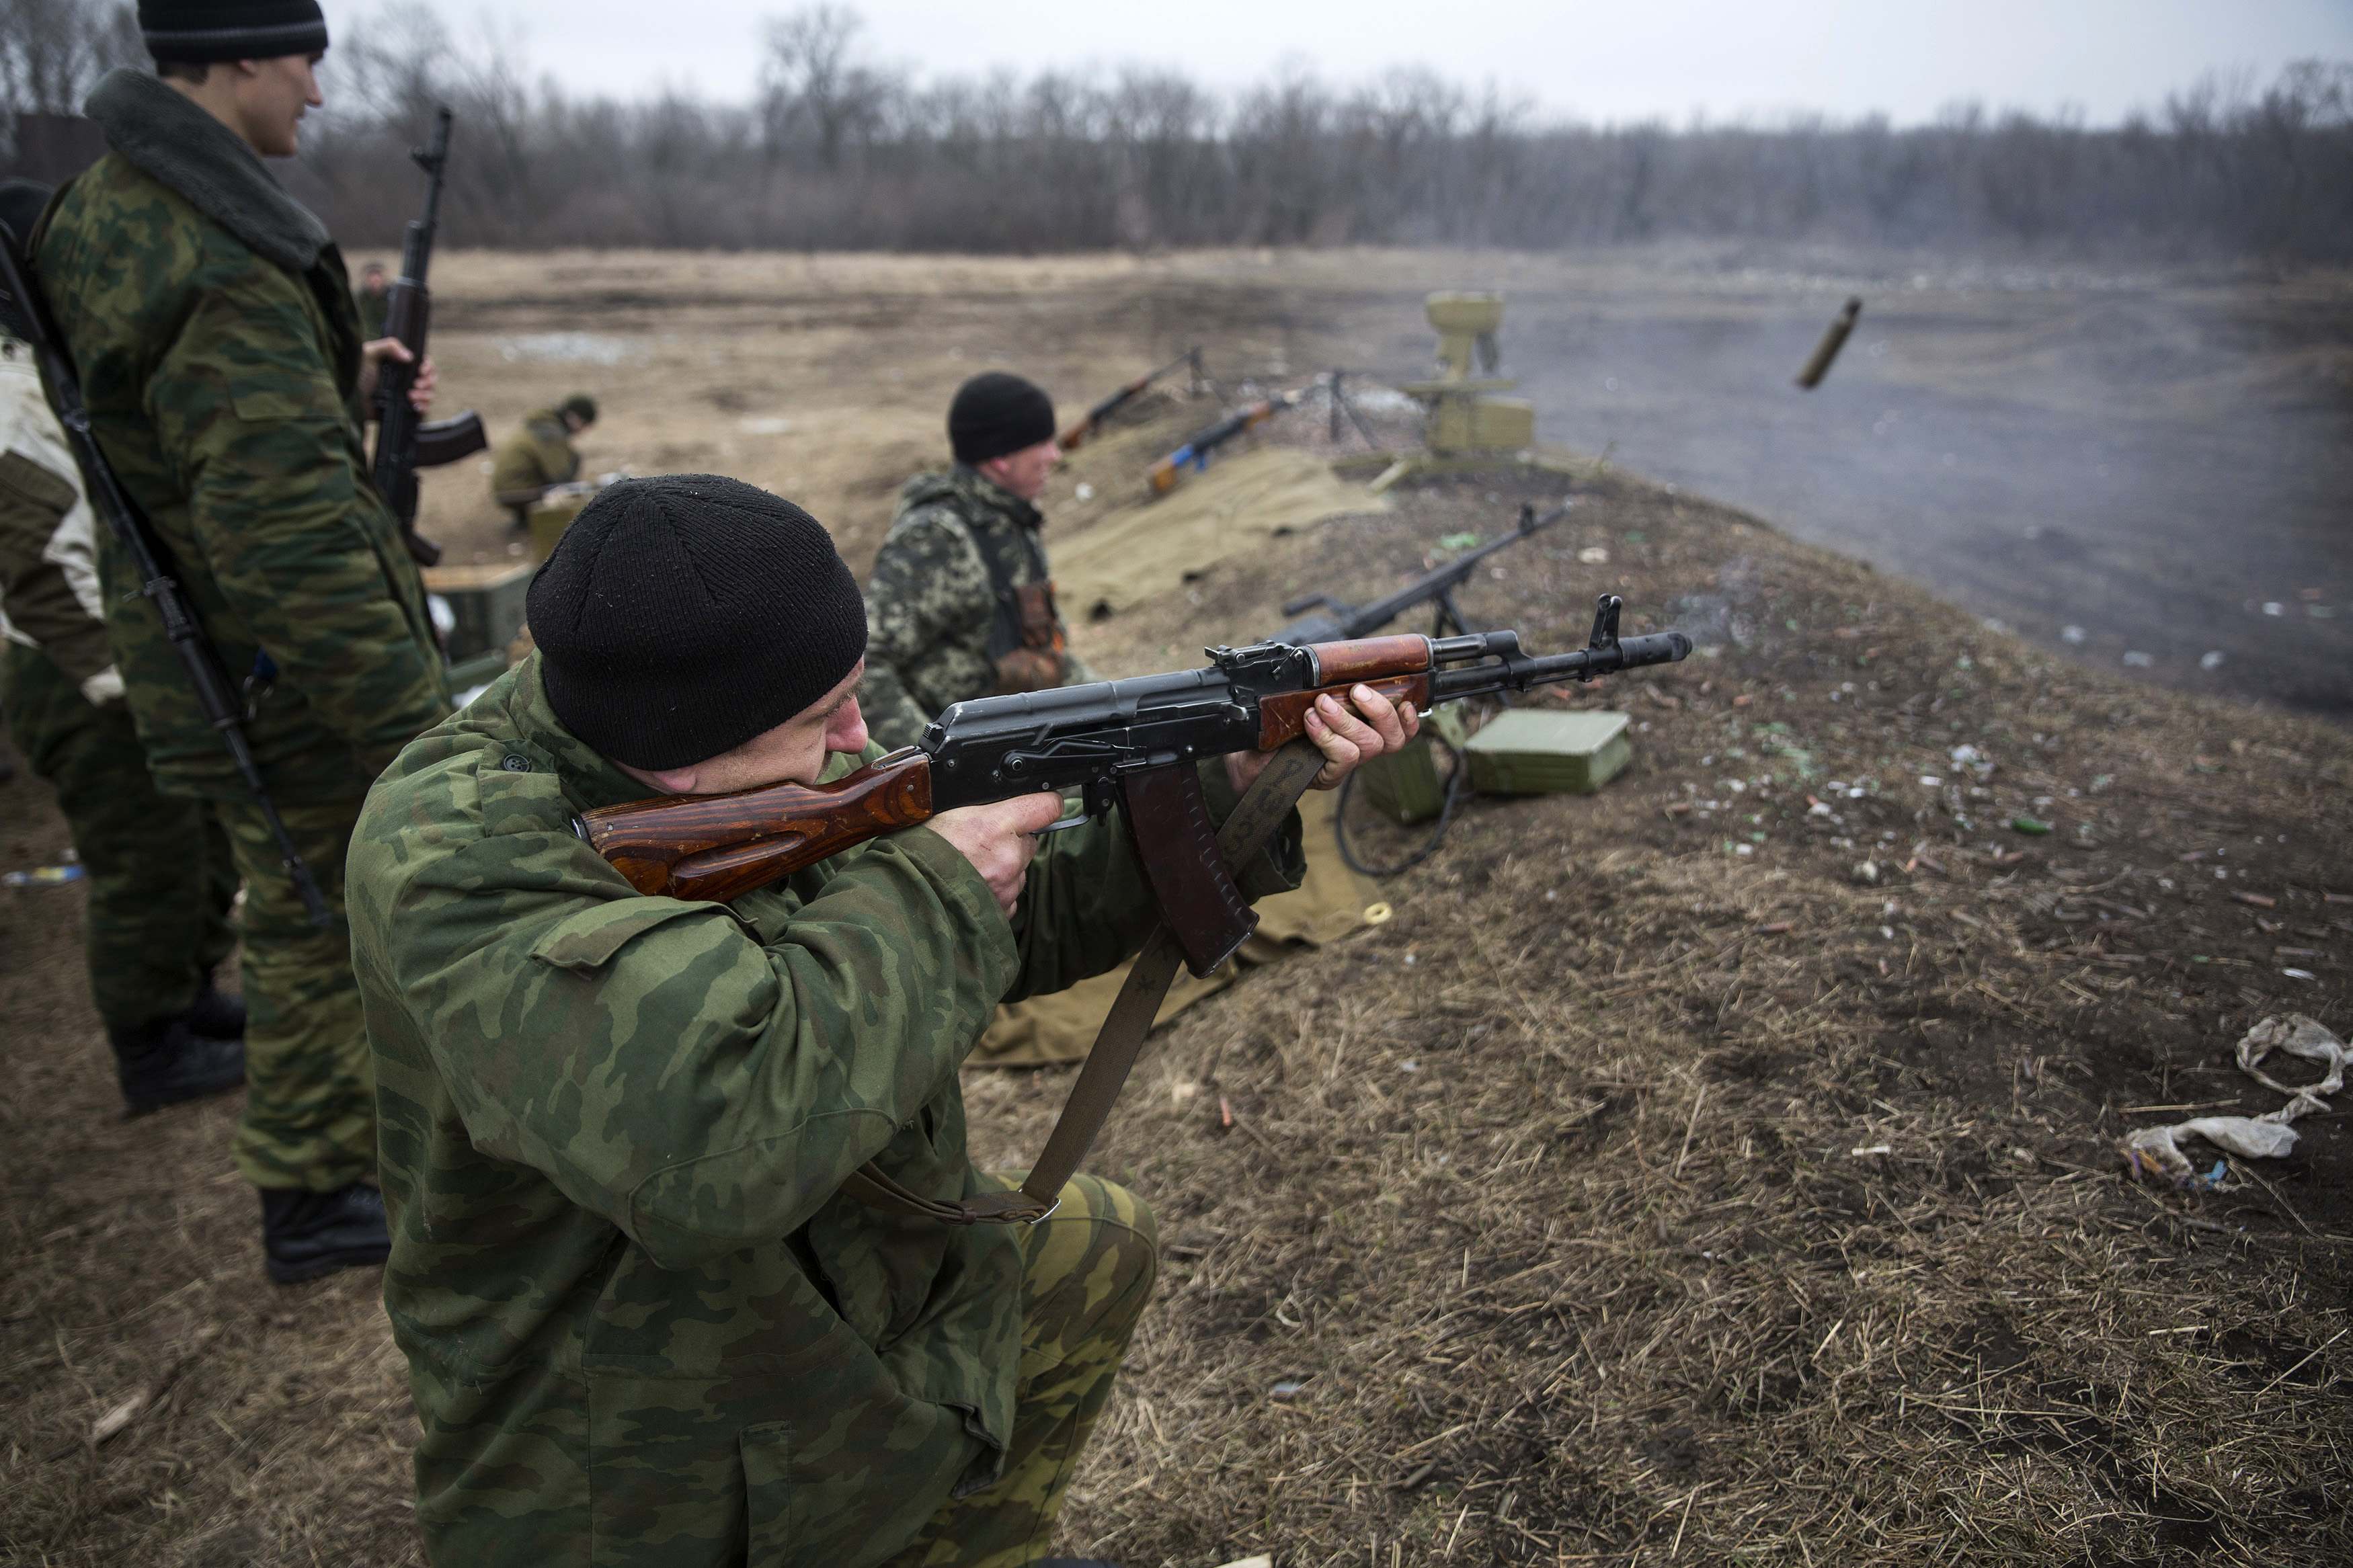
[(650, 1318), (540, 456), (961, 600), (212, 323), (373, 297), (160, 876)]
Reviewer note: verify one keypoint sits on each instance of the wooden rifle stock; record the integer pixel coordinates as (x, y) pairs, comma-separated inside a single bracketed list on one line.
[(720, 847)]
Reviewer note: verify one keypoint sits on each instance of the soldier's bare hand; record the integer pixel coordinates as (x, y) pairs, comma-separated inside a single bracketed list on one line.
[(999, 839), (372, 354), (1349, 735)]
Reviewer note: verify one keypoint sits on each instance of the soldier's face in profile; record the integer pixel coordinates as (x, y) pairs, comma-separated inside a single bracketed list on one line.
[(272, 96), (1023, 473)]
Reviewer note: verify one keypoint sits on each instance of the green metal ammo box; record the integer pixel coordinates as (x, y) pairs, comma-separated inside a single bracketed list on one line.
[(486, 602), (1525, 752), (1404, 786)]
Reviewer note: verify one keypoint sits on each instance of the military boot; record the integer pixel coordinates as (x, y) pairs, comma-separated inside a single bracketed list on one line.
[(163, 1062), (305, 1235), (217, 1015)]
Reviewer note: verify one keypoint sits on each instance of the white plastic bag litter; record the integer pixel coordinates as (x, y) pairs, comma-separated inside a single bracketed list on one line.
[(2154, 1150)]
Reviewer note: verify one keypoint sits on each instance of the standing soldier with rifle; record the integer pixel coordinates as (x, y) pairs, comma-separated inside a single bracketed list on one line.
[(161, 881), (961, 600), (211, 321)]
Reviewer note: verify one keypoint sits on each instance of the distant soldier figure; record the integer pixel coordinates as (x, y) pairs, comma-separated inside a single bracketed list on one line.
[(219, 348), (373, 299), (160, 876), (540, 456), (961, 600)]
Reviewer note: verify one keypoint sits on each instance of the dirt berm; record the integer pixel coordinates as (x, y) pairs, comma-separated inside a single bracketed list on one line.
[(1722, 1168)]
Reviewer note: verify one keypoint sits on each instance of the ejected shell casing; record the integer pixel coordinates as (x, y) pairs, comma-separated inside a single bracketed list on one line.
[(1819, 365)]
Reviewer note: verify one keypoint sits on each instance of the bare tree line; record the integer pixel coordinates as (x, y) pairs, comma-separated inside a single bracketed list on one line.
[(837, 150)]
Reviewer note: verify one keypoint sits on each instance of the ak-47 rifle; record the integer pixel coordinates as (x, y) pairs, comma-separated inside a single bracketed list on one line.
[(1090, 424), (403, 443), (1195, 453), (1339, 622), (25, 313), (1131, 744)]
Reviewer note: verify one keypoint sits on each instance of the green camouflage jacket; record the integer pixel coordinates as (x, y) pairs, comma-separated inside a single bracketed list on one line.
[(641, 1322), (212, 324), (534, 458), (935, 611)]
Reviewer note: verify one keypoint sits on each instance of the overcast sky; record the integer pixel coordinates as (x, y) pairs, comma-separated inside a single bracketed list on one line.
[(1614, 61)]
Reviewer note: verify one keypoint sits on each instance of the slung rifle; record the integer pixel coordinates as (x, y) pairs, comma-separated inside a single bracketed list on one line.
[(25, 314)]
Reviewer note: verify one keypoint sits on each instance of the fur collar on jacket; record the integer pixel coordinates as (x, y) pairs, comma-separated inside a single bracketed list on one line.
[(167, 136)]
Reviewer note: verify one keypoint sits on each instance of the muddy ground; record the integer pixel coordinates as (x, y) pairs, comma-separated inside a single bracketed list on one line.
[(1720, 1168)]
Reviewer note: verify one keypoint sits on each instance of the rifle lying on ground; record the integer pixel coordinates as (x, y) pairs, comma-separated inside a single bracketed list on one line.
[(1338, 622), (1087, 427), (1132, 744), (25, 313), (1195, 453), (403, 443)]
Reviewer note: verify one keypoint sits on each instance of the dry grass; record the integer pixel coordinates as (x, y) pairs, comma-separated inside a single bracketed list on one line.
[(1546, 1193)]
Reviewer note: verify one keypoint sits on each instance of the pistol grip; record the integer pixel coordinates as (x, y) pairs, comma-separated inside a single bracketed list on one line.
[(1169, 822)]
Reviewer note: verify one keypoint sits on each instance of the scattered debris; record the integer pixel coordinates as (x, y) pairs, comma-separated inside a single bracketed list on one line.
[(2154, 1151), (43, 876)]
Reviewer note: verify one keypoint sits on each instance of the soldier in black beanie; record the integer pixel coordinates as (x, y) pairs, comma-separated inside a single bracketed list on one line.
[(201, 32), (962, 600), (184, 280), (623, 1133)]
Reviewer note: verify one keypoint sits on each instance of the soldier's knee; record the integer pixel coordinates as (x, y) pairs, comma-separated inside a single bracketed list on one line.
[(1133, 1241)]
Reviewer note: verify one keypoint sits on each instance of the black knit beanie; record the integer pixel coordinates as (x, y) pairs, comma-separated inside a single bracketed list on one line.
[(681, 616), (995, 413), (579, 402), (198, 32)]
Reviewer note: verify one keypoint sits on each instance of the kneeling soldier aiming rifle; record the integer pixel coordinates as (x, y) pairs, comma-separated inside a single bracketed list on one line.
[(650, 1157)]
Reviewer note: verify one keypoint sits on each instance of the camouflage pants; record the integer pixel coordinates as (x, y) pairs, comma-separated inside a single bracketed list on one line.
[(1088, 1272), (159, 872), (309, 1107)]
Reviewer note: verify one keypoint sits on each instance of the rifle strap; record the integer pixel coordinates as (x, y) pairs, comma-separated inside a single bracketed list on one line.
[(1119, 1041)]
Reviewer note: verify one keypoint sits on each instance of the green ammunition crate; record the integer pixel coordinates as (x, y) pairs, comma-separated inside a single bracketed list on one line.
[(1406, 787), (486, 602), (1524, 752), (551, 517)]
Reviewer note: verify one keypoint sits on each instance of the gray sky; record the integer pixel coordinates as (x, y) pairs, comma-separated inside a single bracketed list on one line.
[(1618, 61)]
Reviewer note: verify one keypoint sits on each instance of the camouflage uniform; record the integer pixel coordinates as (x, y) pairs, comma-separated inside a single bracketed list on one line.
[(213, 325), (936, 603), (643, 1324), (535, 457), (160, 877)]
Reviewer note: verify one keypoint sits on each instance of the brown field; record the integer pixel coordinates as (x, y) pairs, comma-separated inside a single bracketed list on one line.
[(1658, 1185)]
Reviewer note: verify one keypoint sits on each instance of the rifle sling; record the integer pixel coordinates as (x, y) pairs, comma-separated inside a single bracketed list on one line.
[(1118, 1042)]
